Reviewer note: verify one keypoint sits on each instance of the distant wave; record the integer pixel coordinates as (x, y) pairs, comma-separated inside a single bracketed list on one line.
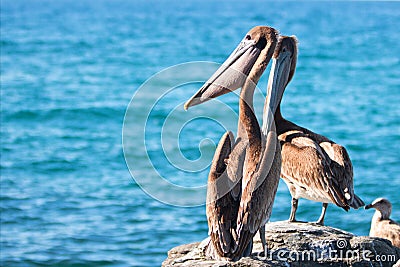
[(65, 113)]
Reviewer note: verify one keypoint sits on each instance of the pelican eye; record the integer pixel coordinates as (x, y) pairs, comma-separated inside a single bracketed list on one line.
[(261, 43), (248, 37)]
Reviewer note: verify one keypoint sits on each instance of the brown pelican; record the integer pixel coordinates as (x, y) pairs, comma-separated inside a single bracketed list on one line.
[(234, 216), (313, 166), (381, 225)]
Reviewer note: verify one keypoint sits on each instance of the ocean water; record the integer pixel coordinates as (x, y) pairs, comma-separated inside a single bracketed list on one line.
[(69, 71)]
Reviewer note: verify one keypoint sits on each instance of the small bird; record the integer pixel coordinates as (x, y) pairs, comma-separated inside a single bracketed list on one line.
[(381, 225)]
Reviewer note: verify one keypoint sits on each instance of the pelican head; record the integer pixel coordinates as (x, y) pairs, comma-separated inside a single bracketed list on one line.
[(286, 54), (382, 205), (256, 48), (283, 67)]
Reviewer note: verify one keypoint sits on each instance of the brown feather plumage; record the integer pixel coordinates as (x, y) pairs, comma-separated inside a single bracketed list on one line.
[(313, 166), (222, 204), (316, 163)]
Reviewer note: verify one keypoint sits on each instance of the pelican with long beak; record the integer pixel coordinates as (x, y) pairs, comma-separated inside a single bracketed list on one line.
[(313, 166), (240, 193)]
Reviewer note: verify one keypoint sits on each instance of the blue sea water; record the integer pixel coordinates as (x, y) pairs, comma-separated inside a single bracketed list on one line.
[(70, 68)]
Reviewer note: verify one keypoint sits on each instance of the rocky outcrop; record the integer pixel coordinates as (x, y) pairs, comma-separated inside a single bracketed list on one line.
[(299, 244)]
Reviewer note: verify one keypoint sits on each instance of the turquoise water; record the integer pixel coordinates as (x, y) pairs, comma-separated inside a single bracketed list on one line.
[(69, 71)]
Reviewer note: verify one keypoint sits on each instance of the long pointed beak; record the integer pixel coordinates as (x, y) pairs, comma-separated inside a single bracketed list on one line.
[(230, 76), (369, 206), (277, 81)]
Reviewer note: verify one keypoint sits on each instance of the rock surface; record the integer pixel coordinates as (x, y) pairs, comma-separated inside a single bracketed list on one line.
[(298, 244)]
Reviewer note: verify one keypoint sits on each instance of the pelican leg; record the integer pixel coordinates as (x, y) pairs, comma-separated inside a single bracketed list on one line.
[(263, 241), (322, 217), (295, 203)]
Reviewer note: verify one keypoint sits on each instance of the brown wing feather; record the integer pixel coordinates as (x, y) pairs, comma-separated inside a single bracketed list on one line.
[(222, 206), (340, 164), (342, 170), (258, 197), (306, 164), (393, 232), (234, 166), (389, 230)]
